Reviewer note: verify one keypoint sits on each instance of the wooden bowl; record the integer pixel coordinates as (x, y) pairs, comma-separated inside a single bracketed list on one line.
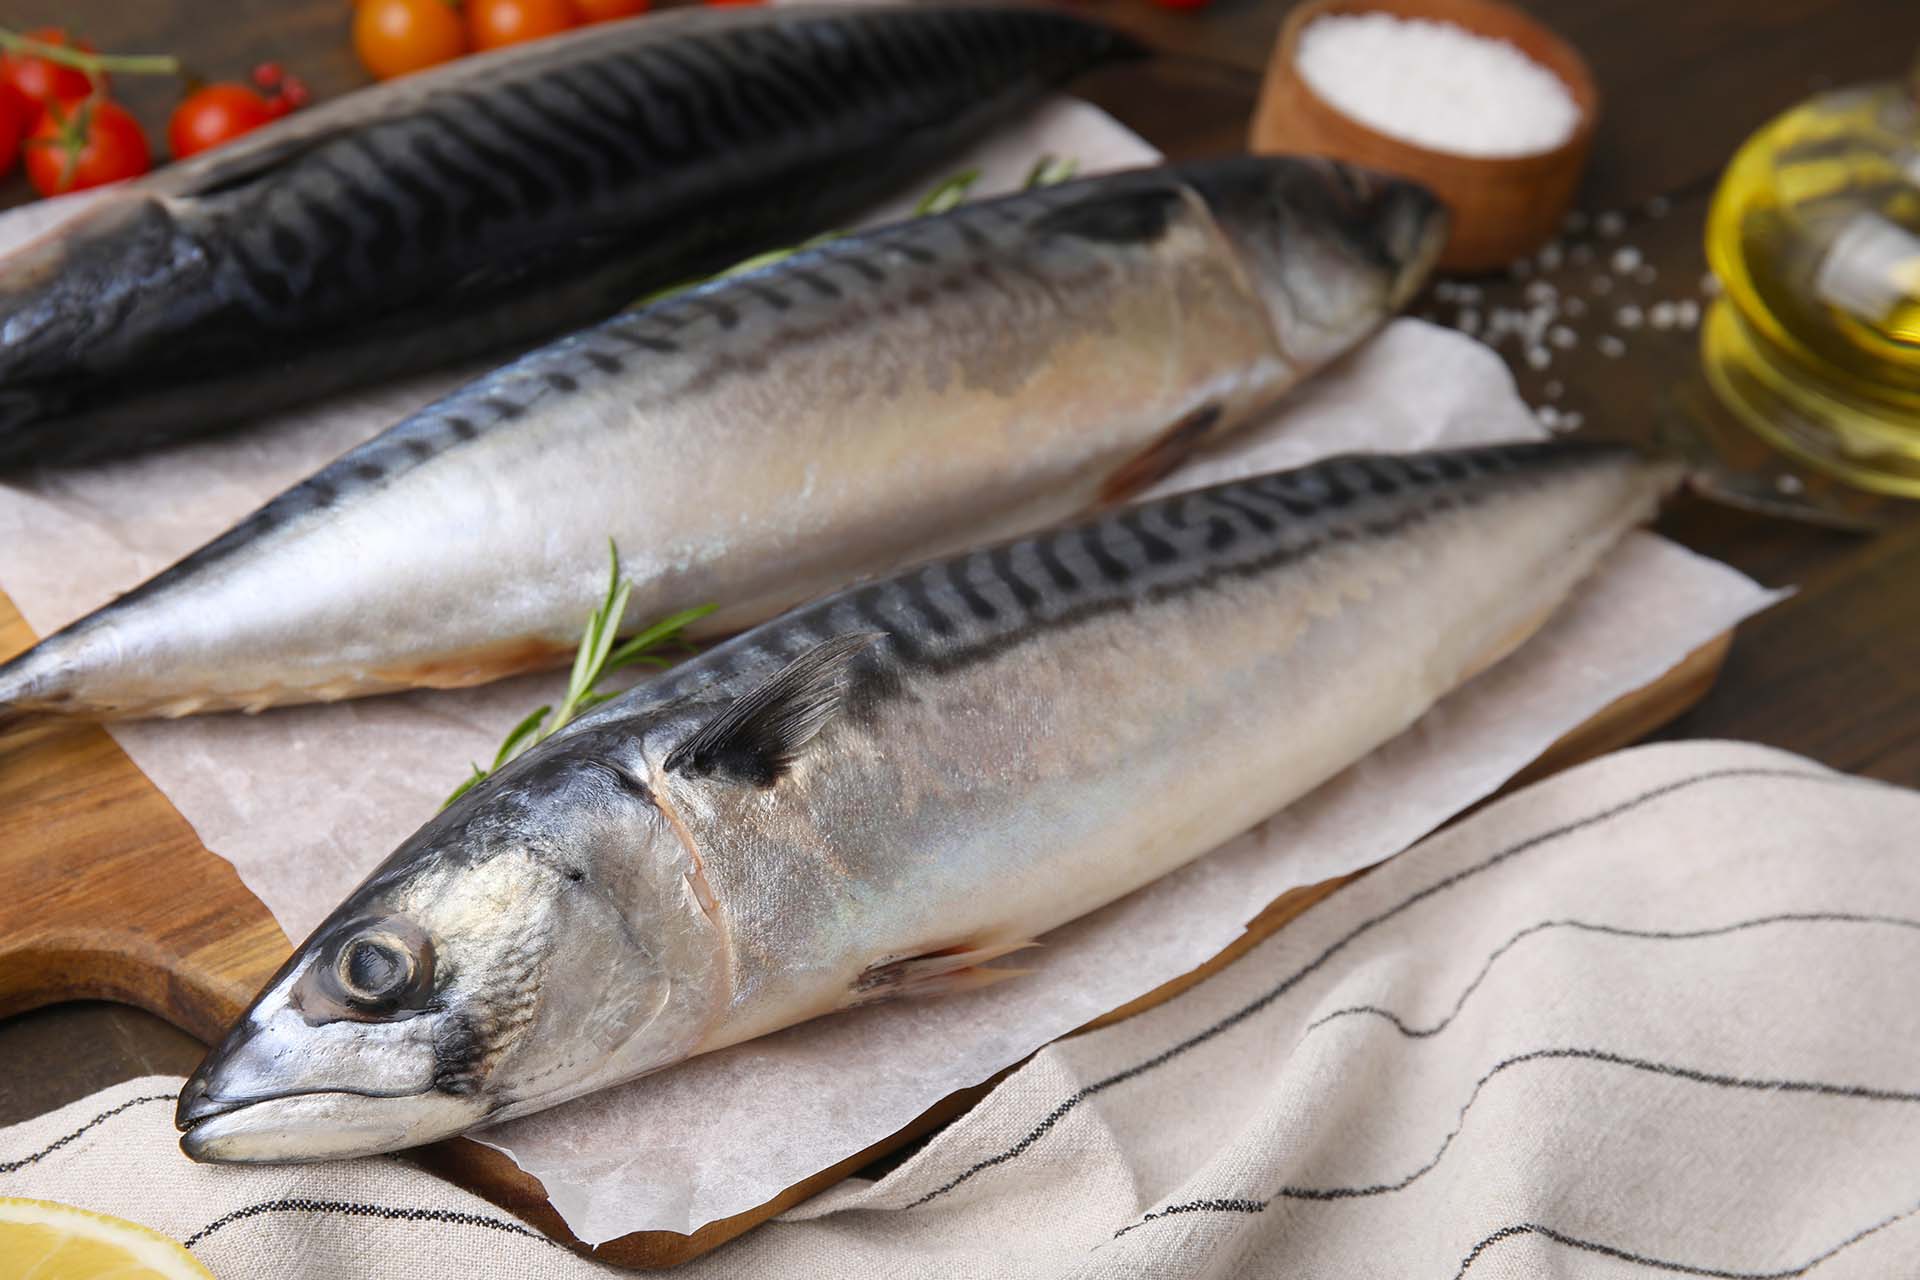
[(1504, 207)]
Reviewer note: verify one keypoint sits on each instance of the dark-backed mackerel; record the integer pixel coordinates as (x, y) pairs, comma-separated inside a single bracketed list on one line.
[(489, 204)]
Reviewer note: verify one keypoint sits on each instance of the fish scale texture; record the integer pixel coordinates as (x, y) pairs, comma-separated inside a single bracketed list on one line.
[(1647, 1017)]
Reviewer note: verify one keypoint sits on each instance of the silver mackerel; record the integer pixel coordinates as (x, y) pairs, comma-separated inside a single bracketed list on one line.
[(923, 387), (880, 792)]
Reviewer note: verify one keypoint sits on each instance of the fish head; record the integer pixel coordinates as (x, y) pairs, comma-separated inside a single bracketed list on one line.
[(1332, 249), (539, 939)]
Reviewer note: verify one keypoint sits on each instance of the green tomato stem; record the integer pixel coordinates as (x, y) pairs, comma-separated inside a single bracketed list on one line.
[(92, 63)]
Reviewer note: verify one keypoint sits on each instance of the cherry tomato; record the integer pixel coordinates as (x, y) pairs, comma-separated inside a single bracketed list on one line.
[(492, 24), (216, 114), (85, 144), (394, 37), (608, 10), (16, 115), (44, 81)]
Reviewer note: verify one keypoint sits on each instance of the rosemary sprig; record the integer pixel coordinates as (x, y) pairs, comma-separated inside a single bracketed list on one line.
[(597, 656), (1046, 171)]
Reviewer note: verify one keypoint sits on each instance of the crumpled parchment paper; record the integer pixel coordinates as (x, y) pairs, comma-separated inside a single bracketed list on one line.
[(305, 801)]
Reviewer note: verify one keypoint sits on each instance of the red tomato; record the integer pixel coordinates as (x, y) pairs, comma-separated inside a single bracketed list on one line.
[(216, 114), (608, 10), (16, 114), (394, 37), (492, 24), (85, 144), (44, 81)]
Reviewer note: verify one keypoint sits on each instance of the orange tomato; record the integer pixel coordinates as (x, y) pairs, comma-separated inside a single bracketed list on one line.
[(608, 10), (394, 37), (492, 24)]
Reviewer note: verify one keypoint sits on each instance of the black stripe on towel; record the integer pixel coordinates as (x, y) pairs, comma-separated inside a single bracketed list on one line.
[(1663, 1264), (349, 1209), (1607, 930), (1853, 1092), (1287, 984), (10, 1166)]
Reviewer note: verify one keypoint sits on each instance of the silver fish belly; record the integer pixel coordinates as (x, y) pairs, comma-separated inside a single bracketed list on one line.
[(750, 444), (489, 204), (877, 792)]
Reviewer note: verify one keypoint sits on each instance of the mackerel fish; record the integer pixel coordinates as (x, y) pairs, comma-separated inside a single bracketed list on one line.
[(878, 793), (489, 205), (892, 395)]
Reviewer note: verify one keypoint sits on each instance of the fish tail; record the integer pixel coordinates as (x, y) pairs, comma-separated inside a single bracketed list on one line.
[(32, 684)]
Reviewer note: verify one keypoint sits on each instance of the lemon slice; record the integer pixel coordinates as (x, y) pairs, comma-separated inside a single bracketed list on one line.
[(51, 1241)]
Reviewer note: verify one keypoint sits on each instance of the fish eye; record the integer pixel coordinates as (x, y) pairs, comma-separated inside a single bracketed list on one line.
[(383, 966)]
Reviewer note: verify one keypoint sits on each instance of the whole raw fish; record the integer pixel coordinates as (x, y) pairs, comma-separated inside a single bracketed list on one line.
[(753, 443), (876, 793), (490, 204)]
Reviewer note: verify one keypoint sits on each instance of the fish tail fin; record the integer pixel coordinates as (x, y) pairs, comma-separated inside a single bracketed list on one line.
[(937, 973), (31, 685)]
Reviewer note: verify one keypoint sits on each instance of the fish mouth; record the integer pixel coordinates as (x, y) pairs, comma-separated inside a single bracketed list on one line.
[(321, 1124)]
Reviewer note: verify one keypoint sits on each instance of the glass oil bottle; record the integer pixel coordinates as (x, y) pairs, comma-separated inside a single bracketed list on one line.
[(1814, 234)]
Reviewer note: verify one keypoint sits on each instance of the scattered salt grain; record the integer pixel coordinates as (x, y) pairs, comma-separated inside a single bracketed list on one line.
[(1540, 292), (1788, 483), (1624, 260), (1603, 285), (1687, 313), (1550, 257), (1611, 347), (1645, 273), (1436, 85), (1710, 285), (1662, 315), (1574, 307), (1658, 207), (1610, 224), (1539, 357), (1628, 317), (1555, 389), (1561, 337), (1572, 421), (1468, 293), (1548, 415), (1467, 322)]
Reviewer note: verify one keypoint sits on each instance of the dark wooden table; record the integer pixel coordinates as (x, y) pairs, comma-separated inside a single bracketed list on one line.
[(1833, 673)]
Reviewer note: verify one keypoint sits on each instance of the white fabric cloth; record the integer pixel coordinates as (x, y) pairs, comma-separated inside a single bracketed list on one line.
[(1654, 1015)]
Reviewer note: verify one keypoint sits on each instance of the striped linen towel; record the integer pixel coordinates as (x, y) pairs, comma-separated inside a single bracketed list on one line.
[(1653, 1016)]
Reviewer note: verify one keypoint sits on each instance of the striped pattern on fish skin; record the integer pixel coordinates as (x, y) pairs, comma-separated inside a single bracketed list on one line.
[(877, 792), (490, 205), (765, 438)]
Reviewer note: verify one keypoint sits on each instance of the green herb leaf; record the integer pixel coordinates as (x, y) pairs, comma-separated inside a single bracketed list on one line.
[(1049, 170), (947, 194), (596, 656), (1046, 171), (520, 731)]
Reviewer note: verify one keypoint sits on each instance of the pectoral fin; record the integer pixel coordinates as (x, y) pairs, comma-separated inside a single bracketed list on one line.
[(759, 737)]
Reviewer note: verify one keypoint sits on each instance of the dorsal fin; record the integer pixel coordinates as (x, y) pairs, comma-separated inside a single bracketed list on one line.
[(758, 738)]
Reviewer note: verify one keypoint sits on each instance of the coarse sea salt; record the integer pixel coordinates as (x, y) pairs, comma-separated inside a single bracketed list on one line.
[(1436, 85)]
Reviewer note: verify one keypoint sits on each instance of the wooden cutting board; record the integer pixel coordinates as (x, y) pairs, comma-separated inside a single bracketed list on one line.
[(113, 897)]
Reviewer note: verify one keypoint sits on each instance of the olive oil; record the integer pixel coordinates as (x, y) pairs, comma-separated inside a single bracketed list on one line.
[(1815, 236)]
